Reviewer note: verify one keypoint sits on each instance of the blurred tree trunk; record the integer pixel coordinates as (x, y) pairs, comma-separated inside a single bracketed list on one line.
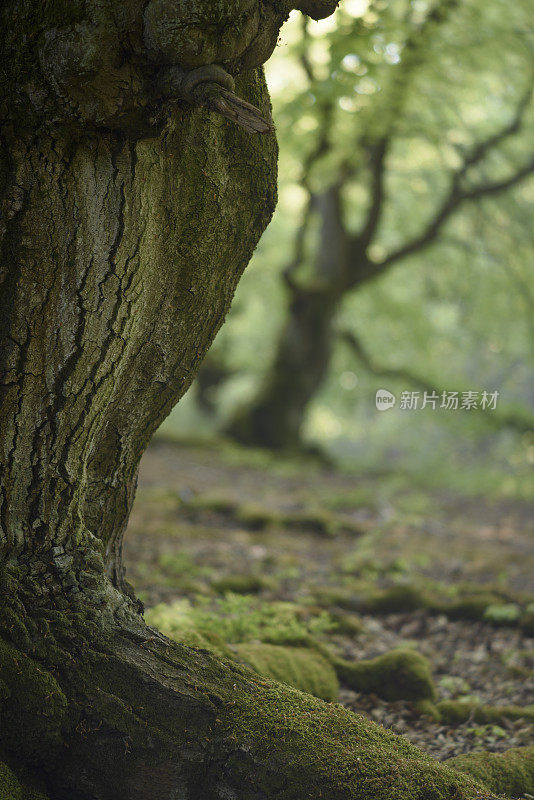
[(304, 348)]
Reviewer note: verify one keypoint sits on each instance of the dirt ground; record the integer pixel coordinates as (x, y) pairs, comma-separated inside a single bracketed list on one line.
[(207, 513)]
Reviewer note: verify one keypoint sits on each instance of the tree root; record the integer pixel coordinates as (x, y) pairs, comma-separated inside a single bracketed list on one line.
[(149, 718)]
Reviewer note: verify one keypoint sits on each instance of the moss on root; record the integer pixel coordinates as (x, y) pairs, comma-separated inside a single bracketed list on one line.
[(258, 517), (233, 733), (473, 604), (297, 657), (397, 599), (334, 754), (403, 598), (510, 773), (299, 667), (455, 712), (398, 675), (10, 788), (32, 727), (527, 623)]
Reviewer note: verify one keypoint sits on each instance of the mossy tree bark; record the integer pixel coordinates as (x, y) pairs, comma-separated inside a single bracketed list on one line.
[(126, 224)]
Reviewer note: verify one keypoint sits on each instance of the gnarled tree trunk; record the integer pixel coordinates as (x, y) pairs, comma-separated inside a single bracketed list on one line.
[(125, 227)]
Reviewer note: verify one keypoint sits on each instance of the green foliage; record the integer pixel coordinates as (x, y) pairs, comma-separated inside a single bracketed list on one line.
[(300, 667)]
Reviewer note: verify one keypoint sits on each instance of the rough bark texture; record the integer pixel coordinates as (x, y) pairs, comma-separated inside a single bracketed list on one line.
[(125, 227), (119, 267), (120, 256)]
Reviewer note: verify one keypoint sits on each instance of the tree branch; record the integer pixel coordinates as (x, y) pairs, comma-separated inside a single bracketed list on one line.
[(378, 156), (298, 247), (322, 146), (481, 149), (507, 418), (380, 370), (458, 195), (415, 44), (452, 202)]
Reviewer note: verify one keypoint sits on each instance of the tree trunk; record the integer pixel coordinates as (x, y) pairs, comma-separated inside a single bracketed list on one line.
[(275, 417), (120, 259), (123, 237)]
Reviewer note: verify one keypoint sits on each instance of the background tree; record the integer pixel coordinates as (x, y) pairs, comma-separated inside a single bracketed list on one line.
[(414, 72)]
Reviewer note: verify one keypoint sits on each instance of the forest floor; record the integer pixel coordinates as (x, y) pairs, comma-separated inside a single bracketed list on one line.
[(212, 519)]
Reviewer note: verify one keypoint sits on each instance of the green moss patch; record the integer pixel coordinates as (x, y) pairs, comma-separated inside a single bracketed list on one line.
[(300, 667), (10, 788), (398, 675), (347, 624), (455, 712), (401, 598), (510, 773), (206, 640), (239, 618), (258, 517), (33, 708), (242, 584)]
